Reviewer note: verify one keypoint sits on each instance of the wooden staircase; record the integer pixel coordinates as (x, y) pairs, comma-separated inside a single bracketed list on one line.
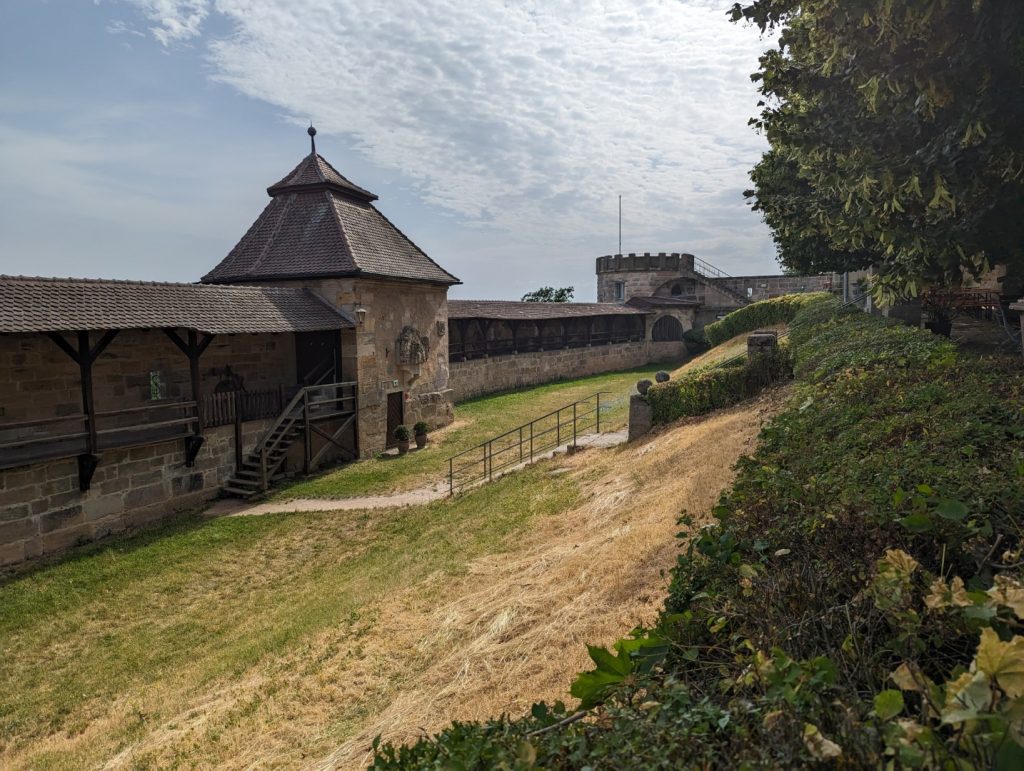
[(299, 420)]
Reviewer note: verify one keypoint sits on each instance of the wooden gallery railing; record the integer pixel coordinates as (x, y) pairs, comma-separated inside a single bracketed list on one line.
[(31, 441), (526, 443)]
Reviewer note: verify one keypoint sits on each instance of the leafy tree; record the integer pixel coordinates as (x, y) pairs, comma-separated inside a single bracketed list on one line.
[(547, 294), (897, 136)]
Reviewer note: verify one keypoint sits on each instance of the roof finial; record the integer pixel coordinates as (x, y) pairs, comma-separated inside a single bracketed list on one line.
[(312, 138)]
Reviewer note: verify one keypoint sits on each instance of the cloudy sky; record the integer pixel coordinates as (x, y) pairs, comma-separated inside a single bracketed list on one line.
[(137, 137)]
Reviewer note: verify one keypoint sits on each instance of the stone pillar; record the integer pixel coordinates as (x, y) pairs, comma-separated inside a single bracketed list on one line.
[(640, 420), (762, 341)]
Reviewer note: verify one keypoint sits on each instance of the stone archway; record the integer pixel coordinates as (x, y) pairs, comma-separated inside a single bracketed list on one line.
[(667, 329)]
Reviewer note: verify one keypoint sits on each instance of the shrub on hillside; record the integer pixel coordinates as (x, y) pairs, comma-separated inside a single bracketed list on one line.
[(857, 600), (702, 391), (765, 313)]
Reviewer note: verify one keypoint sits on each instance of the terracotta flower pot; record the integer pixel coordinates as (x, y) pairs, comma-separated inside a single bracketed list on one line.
[(421, 441), (403, 447)]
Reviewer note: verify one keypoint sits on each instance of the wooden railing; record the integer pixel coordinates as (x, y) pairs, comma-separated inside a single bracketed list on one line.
[(223, 409), (31, 441)]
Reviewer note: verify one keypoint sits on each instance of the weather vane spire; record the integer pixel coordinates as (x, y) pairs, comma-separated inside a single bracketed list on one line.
[(312, 138)]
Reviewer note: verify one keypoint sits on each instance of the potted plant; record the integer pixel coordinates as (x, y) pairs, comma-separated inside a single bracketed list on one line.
[(420, 432), (402, 437)]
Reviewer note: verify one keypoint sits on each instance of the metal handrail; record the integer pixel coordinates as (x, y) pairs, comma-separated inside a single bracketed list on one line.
[(525, 442), (707, 269)]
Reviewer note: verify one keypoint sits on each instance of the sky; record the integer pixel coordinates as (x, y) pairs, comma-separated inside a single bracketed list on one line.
[(138, 137)]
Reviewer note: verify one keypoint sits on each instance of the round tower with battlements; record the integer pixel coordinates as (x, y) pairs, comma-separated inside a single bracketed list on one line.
[(624, 276)]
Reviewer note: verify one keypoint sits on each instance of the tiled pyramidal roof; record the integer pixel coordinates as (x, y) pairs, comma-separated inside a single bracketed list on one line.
[(318, 224)]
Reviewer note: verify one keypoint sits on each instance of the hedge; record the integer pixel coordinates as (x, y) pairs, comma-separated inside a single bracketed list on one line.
[(857, 600), (705, 390), (765, 313)]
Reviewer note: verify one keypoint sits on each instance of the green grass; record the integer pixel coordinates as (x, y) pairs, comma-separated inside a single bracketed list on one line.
[(476, 421), (173, 617)]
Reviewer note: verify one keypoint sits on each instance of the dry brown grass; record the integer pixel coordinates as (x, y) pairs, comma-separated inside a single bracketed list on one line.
[(514, 629), (411, 645)]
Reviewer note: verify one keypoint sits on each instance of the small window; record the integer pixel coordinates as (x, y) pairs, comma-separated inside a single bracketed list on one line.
[(676, 290), (750, 291), (157, 385), (620, 290)]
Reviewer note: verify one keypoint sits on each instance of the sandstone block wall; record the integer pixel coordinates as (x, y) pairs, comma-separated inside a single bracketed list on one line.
[(38, 380), (766, 287), (42, 511), (479, 377), (391, 306)]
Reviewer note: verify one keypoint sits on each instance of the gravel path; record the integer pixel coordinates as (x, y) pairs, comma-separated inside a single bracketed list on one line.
[(233, 507)]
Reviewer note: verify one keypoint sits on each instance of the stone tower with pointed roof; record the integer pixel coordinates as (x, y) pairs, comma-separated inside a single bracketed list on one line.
[(322, 232)]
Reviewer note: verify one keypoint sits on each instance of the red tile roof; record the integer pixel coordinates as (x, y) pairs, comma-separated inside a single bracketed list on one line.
[(315, 170), (319, 224), (646, 303), (30, 304), (514, 311)]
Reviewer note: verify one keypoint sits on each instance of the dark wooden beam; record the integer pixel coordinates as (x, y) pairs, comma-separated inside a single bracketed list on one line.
[(193, 372), (64, 345), (193, 349), (101, 346), (88, 397)]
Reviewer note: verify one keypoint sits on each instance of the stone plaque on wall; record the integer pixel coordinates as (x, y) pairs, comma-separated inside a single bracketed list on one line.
[(412, 347)]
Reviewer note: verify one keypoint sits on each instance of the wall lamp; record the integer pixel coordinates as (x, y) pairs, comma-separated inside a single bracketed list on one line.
[(360, 314)]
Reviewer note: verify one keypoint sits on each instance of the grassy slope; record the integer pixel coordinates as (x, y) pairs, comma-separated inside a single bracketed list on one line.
[(897, 467), (273, 640), (720, 353), (129, 635), (475, 421)]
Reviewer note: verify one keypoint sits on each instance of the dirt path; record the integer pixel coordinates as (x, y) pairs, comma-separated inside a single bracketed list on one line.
[(237, 508), (513, 630)]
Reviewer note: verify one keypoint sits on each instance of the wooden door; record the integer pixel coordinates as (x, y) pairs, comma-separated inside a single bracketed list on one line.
[(396, 416)]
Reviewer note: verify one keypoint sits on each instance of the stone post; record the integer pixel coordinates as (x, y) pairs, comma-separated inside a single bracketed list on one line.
[(760, 342), (640, 420)]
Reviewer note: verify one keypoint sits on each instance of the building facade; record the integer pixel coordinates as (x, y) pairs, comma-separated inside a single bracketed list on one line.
[(124, 402)]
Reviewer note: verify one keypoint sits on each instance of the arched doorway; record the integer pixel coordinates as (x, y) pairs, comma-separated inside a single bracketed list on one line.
[(667, 329)]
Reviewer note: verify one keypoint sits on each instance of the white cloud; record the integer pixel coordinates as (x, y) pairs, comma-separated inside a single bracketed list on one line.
[(175, 20), (529, 117)]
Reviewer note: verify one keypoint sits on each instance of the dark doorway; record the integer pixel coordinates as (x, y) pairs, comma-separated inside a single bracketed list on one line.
[(318, 357), (396, 416)]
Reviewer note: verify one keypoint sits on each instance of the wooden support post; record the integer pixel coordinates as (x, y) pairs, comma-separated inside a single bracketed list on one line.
[(307, 439), (590, 330), (238, 431), (85, 356), (88, 397)]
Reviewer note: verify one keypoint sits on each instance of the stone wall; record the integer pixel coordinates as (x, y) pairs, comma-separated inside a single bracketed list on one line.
[(390, 307), (38, 380), (43, 512), (478, 377), (765, 287)]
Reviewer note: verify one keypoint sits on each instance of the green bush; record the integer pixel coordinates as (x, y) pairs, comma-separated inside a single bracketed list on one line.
[(421, 428), (765, 313), (857, 600), (705, 390)]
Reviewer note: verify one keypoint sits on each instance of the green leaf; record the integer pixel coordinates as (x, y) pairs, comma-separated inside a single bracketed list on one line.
[(948, 509), (917, 523), (606, 662), (888, 704)]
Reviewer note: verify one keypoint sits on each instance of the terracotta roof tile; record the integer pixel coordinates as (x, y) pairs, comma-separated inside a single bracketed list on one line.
[(29, 304), (318, 224), (513, 311), (646, 303)]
